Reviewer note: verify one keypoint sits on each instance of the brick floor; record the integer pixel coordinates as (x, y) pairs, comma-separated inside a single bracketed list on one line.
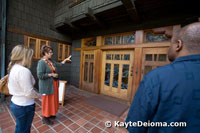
[(74, 116)]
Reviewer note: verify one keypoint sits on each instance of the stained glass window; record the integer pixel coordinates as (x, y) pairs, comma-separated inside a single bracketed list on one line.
[(85, 71), (108, 41), (126, 57), (128, 39), (120, 39), (91, 72), (117, 57), (125, 74), (116, 75), (92, 43), (150, 37)]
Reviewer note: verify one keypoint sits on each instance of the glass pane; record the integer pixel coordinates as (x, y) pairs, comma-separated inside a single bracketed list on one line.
[(107, 74), (91, 72), (128, 39), (33, 45), (113, 42), (148, 57), (108, 41), (42, 43), (92, 43), (60, 53), (126, 57), (125, 73), (86, 56), (147, 69), (85, 71), (66, 51), (117, 57), (92, 56), (155, 57), (118, 40), (108, 56), (162, 57), (115, 75), (150, 37)]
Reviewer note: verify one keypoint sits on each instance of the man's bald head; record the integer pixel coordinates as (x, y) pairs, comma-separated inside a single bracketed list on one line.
[(186, 41), (190, 37)]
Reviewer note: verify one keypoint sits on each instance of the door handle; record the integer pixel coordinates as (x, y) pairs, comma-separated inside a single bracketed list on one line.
[(132, 71)]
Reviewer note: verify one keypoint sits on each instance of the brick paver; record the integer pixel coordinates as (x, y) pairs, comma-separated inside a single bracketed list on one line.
[(74, 116)]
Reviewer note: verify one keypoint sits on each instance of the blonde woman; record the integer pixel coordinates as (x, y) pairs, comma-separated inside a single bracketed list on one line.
[(21, 87)]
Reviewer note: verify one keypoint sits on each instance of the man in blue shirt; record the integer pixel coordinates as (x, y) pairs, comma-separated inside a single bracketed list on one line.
[(168, 98)]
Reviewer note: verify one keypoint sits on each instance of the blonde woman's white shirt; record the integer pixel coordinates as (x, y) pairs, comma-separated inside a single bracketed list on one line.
[(21, 86)]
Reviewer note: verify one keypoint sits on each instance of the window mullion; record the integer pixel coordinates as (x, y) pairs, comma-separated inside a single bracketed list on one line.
[(37, 48), (63, 51)]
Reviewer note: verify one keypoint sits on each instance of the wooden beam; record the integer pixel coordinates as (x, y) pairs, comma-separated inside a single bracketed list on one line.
[(132, 46), (129, 46), (53, 28), (67, 21), (90, 14), (131, 9), (60, 24)]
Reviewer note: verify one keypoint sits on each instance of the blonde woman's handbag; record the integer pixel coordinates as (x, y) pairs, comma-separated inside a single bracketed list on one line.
[(4, 85)]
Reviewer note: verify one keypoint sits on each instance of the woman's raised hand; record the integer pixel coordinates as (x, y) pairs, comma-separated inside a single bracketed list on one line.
[(67, 59)]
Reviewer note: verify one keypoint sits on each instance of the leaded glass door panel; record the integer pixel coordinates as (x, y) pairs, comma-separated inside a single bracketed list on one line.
[(117, 73)]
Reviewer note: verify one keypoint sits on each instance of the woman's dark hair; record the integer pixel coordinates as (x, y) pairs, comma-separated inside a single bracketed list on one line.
[(45, 49)]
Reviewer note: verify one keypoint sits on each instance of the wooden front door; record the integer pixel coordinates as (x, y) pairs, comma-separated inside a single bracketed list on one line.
[(88, 70), (153, 58), (117, 73)]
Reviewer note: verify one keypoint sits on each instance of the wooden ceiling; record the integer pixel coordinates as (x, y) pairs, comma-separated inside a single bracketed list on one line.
[(133, 15)]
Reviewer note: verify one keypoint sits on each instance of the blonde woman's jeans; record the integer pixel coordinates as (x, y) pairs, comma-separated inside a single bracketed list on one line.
[(24, 117)]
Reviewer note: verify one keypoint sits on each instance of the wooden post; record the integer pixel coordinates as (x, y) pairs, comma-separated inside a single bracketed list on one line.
[(98, 65), (81, 65), (139, 37), (136, 71)]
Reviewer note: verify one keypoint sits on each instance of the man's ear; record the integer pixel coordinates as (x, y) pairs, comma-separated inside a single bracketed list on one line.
[(179, 45)]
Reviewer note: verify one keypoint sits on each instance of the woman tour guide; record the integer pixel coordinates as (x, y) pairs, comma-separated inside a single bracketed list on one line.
[(48, 84)]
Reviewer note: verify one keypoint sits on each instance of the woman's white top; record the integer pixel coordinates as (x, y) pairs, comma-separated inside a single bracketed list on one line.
[(21, 86)]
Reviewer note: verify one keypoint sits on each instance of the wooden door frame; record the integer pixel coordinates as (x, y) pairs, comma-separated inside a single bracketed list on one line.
[(96, 71), (90, 86)]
